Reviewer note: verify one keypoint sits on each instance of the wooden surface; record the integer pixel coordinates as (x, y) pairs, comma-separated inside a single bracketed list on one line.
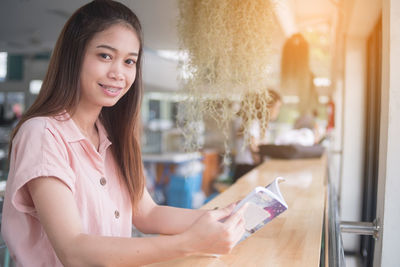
[(293, 238)]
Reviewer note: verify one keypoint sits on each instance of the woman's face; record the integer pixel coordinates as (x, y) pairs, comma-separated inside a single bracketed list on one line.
[(109, 66)]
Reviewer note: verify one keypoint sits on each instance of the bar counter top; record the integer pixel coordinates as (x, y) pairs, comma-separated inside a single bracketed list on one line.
[(291, 239)]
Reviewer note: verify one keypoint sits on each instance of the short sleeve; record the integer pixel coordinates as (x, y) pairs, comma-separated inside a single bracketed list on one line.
[(36, 152)]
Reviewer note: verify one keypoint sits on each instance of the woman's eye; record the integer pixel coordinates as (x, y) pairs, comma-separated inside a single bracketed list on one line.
[(130, 61), (105, 56)]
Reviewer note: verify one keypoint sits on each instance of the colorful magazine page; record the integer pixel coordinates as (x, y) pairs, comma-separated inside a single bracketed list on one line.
[(264, 204)]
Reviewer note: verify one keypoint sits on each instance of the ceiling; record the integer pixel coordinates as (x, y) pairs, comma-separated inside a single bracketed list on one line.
[(32, 26)]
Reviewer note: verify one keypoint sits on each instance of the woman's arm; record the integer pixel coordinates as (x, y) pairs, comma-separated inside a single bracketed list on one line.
[(60, 218), (254, 142), (151, 218)]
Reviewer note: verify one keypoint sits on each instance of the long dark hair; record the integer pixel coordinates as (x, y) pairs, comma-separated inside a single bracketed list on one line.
[(296, 75), (61, 91)]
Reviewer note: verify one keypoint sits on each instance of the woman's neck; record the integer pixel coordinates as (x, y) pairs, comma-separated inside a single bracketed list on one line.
[(86, 121)]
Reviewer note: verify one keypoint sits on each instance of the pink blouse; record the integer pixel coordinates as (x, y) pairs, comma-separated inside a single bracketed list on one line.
[(48, 146)]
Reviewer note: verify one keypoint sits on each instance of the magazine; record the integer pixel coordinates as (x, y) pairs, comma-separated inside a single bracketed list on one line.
[(264, 204)]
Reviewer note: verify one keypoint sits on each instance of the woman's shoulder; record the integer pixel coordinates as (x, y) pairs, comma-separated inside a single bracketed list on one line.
[(38, 132), (36, 124), (41, 125), (61, 128)]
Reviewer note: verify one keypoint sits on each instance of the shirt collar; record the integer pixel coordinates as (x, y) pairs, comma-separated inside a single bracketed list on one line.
[(103, 136), (73, 134)]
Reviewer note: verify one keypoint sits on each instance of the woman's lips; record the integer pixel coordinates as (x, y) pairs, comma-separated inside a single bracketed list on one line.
[(110, 90)]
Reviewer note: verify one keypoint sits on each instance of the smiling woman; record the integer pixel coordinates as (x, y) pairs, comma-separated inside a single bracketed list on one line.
[(76, 182)]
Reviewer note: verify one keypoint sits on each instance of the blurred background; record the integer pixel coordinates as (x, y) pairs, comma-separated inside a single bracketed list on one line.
[(344, 40)]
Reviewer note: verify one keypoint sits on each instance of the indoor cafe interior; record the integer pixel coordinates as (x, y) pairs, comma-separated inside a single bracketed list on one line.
[(237, 93)]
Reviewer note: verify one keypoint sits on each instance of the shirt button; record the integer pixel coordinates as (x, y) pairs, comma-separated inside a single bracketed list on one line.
[(103, 181), (116, 213)]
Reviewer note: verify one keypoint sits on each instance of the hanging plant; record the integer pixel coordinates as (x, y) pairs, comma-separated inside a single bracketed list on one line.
[(227, 42)]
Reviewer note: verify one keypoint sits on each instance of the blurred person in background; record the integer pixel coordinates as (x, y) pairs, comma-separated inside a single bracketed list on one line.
[(247, 156), (297, 77)]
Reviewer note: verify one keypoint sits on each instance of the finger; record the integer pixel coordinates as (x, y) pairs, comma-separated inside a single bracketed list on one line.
[(237, 216), (233, 219), (231, 206), (219, 214), (243, 208), (239, 231), (241, 224)]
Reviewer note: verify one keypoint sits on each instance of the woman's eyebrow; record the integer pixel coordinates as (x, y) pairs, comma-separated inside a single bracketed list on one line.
[(115, 50)]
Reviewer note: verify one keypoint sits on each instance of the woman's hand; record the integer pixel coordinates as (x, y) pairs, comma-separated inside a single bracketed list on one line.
[(216, 232)]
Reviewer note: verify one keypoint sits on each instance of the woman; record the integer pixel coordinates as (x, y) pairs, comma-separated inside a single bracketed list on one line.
[(247, 154), (76, 182)]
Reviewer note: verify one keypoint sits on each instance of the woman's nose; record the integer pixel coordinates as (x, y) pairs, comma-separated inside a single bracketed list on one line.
[(116, 72)]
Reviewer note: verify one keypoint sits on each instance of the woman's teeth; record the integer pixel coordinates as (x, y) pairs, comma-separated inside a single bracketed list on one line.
[(110, 89)]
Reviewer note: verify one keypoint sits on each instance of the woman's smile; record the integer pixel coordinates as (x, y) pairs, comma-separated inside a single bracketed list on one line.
[(111, 90)]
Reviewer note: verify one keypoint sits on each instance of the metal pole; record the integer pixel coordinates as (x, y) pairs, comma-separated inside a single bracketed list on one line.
[(360, 228)]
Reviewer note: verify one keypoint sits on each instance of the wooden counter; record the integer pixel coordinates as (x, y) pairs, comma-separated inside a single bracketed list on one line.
[(291, 239)]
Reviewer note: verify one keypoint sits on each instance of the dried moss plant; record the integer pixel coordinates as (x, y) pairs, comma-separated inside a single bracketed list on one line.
[(227, 42)]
